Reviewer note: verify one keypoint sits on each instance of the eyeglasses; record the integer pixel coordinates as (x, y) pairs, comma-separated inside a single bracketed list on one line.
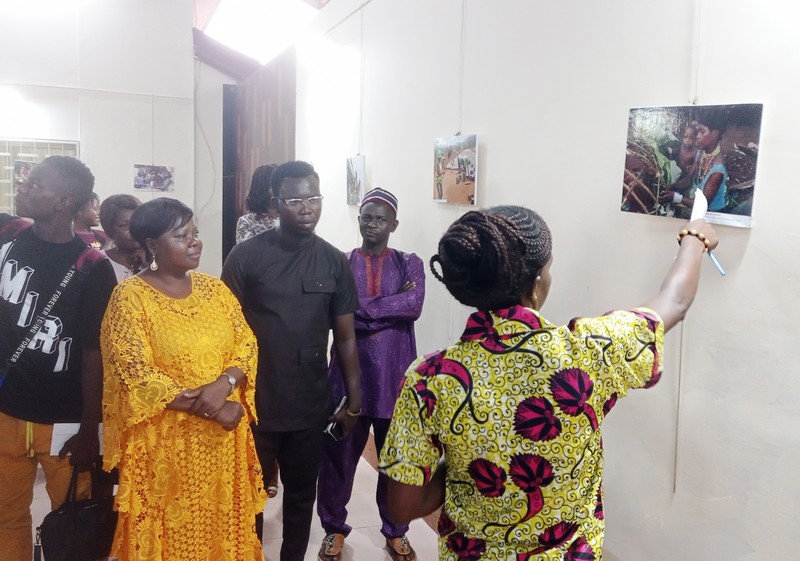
[(368, 218), (311, 202)]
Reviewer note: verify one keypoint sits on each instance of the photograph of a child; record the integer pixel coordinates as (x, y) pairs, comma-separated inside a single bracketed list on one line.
[(455, 167), (674, 151)]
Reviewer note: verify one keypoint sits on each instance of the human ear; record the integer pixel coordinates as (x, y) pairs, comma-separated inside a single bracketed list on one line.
[(535, 291), (150, 244)]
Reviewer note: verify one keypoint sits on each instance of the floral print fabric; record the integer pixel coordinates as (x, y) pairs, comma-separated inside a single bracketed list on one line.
[(252, 224), (515, 407), (188, 490)]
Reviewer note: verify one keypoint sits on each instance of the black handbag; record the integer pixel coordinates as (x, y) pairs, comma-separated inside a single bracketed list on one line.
[(78, 530)]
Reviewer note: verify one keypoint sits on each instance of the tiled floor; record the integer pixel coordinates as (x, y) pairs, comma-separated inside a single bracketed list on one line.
[(365, 543)]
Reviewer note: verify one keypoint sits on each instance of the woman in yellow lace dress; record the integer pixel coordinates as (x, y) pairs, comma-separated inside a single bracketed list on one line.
[(179, 365)]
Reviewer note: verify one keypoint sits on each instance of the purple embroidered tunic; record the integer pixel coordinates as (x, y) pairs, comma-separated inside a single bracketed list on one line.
[(384, 326)]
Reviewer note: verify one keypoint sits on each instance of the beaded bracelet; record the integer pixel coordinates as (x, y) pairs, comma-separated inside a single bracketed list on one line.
[(696, 234)]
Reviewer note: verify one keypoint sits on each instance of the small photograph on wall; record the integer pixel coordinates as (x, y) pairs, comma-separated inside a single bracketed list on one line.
[(356, 179), (674, 151), (455, 167), (153, 178)]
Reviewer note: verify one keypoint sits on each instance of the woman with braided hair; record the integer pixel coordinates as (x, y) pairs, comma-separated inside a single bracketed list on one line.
[(503, 427)]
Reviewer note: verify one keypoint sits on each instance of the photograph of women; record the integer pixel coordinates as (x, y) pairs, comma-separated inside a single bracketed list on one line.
[(674, 151)]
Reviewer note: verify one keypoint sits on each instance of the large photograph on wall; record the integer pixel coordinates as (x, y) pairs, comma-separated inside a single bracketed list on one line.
[(674, 151), (455, 167)]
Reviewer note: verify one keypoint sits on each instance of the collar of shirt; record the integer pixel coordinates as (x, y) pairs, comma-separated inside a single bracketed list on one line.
[(504, 323)]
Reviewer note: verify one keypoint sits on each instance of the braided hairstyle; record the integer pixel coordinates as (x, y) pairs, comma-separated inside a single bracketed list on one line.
[(490, 259)]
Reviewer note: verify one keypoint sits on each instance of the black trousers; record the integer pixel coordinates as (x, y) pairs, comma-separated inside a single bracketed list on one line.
[(299, 454)]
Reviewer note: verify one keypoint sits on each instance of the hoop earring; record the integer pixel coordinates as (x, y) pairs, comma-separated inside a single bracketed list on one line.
[(153, 264)]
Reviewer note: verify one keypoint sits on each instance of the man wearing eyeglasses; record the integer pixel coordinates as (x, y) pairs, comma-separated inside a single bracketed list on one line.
[(295, 288), (391, 289)]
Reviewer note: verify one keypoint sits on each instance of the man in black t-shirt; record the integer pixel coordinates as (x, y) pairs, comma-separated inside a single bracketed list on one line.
[(53, 293), (295, 288)]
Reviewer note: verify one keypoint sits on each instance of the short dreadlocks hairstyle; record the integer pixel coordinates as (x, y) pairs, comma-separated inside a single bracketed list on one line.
[(75, 175)]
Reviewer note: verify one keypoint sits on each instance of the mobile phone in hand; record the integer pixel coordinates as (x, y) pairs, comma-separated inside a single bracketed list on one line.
[(334, 429)]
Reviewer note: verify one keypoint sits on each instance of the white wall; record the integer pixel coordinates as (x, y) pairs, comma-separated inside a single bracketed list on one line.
[(208, 163), (115, 76), (702, 466)]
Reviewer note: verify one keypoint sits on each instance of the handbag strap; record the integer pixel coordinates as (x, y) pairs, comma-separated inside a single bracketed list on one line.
[(72, 490)]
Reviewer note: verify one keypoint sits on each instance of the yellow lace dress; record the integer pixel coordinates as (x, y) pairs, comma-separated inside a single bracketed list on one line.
[(189, 490)]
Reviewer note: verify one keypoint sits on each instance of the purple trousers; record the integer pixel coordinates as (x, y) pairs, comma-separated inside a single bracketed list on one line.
[(336, 475)]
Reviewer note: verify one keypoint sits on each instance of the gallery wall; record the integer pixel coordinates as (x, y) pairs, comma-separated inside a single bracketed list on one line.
[(701, 466), (116, 76)]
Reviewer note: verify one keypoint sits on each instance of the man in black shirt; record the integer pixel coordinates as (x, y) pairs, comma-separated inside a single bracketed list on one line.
[(53, 293), (294, 288)]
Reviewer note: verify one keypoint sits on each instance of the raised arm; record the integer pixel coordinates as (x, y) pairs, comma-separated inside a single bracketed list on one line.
[(680, 285)]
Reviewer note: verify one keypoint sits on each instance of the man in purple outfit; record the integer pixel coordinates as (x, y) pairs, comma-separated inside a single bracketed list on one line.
[(391, 289)]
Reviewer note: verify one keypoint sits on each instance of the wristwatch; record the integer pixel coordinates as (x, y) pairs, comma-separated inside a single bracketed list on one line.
[(231, 381)]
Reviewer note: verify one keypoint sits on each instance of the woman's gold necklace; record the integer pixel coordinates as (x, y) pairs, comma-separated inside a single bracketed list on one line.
[(705, 163)]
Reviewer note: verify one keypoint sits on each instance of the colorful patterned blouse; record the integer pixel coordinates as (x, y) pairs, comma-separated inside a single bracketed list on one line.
[(515, 408)]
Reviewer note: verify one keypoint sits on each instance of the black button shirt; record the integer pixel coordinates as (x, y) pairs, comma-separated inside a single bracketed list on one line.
[(291, 295)]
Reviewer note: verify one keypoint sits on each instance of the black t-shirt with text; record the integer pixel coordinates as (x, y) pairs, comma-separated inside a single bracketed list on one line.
[(44, 385)]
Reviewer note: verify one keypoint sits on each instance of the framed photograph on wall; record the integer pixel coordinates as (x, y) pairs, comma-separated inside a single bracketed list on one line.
[(356, 179), (455, 168), (153, 178), (674, 151)]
